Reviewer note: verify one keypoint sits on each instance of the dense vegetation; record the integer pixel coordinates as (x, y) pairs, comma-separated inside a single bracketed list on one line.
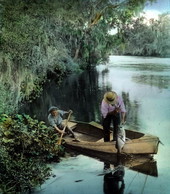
[(40, 38), (25, 146)]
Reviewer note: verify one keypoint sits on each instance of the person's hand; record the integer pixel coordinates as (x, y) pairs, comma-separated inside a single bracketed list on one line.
[(115, 111), (70, 111), (63, 132), (60, 131), (122, 122)]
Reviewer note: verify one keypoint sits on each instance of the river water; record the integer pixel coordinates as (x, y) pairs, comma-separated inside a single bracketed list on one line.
[(144, 83)]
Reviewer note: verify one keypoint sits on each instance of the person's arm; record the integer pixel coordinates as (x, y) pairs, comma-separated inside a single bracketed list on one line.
[(52, 123), (104, 109), (62, 112), (123, 114), (60, 131)]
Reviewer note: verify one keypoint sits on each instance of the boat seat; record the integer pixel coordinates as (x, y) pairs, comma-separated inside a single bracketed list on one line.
[(93, 123), (100, 140)]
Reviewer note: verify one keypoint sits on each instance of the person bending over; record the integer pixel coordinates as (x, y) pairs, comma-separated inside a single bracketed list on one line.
[(112, 110)]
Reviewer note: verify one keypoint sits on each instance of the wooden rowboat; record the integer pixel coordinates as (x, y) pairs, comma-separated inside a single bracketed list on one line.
[(137, 153), (92, 143)]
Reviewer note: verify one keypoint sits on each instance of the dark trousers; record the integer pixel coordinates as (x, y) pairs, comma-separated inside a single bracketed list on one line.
[(115, 119)]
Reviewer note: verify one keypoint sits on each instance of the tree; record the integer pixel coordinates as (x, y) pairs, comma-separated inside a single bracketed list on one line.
[(42, 36), (147, 38)]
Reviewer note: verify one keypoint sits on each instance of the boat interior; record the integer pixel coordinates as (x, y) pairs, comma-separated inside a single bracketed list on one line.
[(93, 131)]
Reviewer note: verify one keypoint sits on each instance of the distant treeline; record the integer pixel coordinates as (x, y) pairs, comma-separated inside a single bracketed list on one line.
[(145, 37)]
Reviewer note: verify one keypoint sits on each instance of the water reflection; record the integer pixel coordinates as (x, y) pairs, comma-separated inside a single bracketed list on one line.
[(81, 93), (146, 66), (159, 81), (82, 174), (132, 108), (114, 174), (113, 181), (105, 84)]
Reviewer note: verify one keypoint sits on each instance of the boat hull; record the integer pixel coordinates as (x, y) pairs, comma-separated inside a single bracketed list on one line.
[(91, 140)]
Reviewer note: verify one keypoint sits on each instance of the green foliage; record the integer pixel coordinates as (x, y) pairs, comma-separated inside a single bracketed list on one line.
[(30, 50), (40, 38), (23, 135), (20, 175), (25, 146)]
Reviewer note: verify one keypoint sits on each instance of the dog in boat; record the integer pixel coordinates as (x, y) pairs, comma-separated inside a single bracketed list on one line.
[(121, 138)]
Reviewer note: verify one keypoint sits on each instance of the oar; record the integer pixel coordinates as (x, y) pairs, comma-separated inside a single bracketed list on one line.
[(59, 141)]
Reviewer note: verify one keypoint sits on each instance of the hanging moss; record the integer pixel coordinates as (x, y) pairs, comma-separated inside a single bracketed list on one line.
[(40, 38)]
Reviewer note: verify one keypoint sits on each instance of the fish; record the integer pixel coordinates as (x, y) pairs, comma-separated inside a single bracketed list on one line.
[(121, 138)]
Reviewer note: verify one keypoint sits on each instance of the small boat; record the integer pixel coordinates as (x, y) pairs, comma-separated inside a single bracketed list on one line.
[(90, 136), (137, 153)]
